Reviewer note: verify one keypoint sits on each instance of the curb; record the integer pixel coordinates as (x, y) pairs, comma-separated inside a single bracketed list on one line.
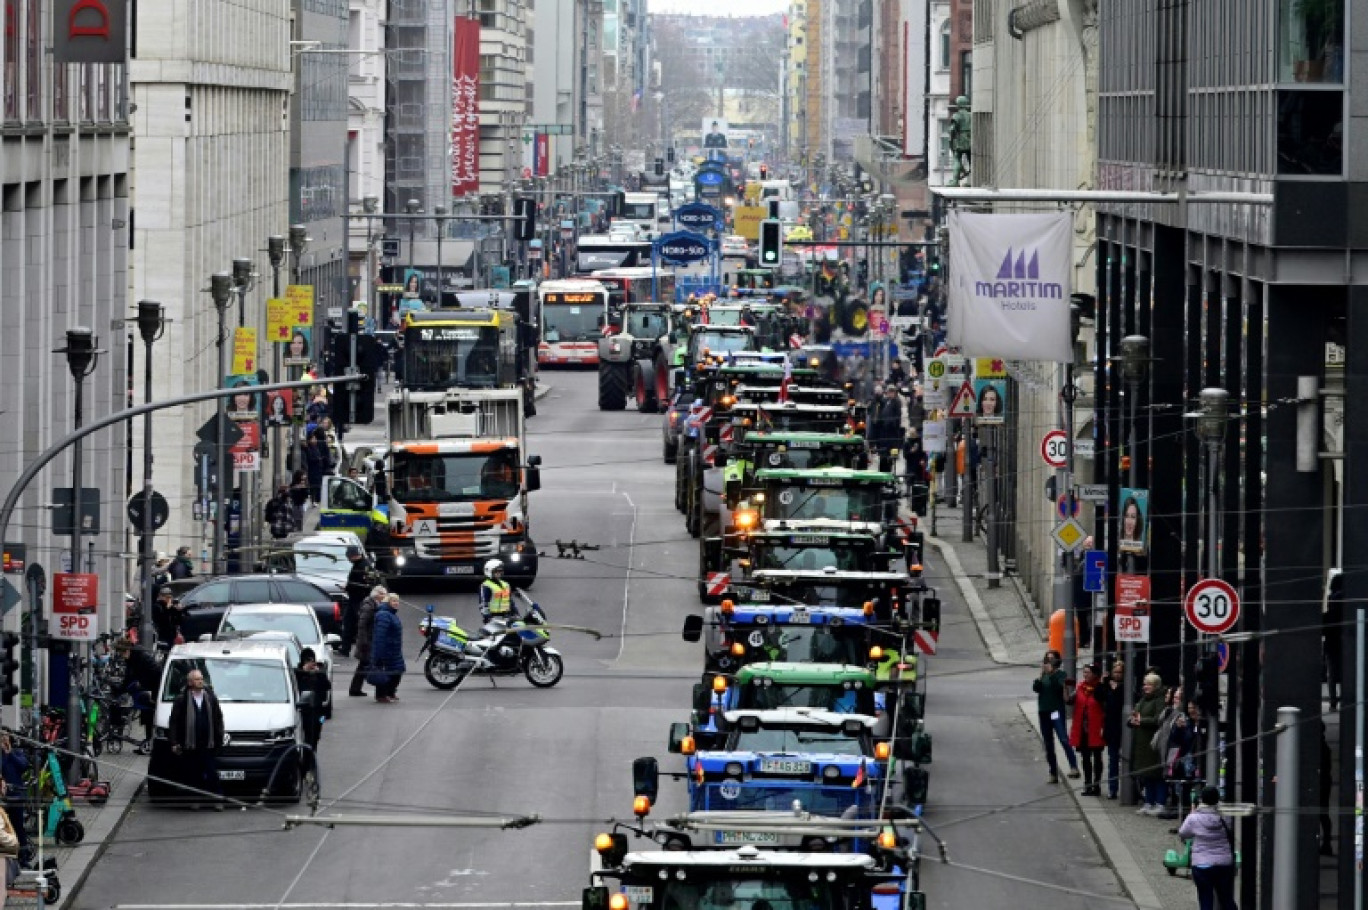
[(542, 391), (1114, 850), (988, 631), (74, 872)]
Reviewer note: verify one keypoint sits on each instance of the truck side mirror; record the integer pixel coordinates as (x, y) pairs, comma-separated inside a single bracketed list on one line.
[(693, 627), (702, 699), (678, 733), (731, 491), (646, 777), (931, 613), (533, 479)]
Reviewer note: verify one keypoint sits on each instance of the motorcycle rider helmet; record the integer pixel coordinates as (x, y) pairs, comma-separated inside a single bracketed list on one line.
[(491, 566)]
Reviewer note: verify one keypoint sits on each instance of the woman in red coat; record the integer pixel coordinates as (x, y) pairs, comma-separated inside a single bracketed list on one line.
[(1086, 733)]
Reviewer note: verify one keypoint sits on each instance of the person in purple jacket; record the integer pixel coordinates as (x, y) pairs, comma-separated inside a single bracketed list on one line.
[(1213, 852)]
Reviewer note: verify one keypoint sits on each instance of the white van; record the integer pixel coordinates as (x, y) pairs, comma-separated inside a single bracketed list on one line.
[(264, 756)]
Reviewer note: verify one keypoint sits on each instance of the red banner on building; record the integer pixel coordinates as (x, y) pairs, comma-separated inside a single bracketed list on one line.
[(465, 109), (541, 155)]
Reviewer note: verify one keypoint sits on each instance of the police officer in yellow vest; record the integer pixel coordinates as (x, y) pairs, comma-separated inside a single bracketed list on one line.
[(496, 595)]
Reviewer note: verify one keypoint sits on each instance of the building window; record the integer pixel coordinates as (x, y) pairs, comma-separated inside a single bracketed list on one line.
[(33, 59), (967, 74), (943, 134), (945, 45), (11, 57), (1311, 40), (1310, 132)]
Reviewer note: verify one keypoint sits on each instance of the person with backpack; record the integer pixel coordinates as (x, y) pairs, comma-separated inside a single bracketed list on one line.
[(1213, 852)]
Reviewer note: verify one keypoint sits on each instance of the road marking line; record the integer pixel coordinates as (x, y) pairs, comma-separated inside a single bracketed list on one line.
[(387, 905), (627, 580)]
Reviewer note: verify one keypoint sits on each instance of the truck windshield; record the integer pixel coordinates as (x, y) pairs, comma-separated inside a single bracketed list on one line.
[(571, 322), (446, 357), (843, 644), (723, 342), (836, 503), (645, 324), (719, 891), (455, 478), (232, 679), (826, 740), (846, 559), (638, 211), (828, 697)]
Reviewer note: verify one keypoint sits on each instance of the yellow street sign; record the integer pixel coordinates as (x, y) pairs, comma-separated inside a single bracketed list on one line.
[(244, 350), (301, 300), (1069, 535)]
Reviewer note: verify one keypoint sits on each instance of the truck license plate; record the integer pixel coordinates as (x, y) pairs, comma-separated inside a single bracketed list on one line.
[(232, 775), (460, 570), (784, 766), (746, 837)]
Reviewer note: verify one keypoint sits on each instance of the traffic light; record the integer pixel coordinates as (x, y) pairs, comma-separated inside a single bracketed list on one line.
[(1207, 691), (9, 666), (669, 154), (525, 228), (353, 322), (773, 208), (764, 172), (771, 243)]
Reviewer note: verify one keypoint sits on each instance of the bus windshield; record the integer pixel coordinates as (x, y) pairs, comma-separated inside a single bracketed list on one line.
[(455, 478), (445, 357), (571, 322)]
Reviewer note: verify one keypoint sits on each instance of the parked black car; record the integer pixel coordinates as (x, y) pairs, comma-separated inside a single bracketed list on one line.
[(204, 605)]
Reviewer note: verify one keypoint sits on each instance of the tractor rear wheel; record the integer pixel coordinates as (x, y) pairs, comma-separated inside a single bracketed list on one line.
[(614, 381)]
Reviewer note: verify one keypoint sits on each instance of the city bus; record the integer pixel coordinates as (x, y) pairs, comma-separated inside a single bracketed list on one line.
[(634, 285), (573, 314)]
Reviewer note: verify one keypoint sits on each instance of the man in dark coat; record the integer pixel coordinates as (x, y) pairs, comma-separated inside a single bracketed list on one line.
[(360, 580), (315, 686), (182, 566), (365, 627), (196, 733)]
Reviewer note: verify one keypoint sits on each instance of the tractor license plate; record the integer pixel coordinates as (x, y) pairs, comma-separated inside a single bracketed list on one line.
[(724, 838), (784, 766), (232, 775), (460, 570), (799, 615)]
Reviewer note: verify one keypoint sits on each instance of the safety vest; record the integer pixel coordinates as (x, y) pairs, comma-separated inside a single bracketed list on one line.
[(500, 595)]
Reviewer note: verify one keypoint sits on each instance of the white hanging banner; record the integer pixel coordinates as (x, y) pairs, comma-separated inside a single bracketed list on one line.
[(1011, 277)]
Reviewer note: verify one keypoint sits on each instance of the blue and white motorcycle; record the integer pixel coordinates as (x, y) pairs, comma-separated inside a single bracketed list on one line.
[(503, 648)]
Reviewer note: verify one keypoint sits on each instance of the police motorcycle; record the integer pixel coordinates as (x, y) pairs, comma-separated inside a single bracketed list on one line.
[(503, 648)]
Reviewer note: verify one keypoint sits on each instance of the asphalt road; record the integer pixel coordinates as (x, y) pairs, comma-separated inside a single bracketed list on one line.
[(565, 754)]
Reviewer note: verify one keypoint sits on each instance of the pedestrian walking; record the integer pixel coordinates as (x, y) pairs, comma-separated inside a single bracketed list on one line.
[(14, 765), (1050, 695), (1146, 763), (1213, 852), (1167, 746), (317, 462), (314, 684), (196, 733), (299, 496), (387, 651), (280, 514), (140, 680), (1112, 694), (1086, 733), (183, 566), (365, 634), (360, 580), (161, 570)]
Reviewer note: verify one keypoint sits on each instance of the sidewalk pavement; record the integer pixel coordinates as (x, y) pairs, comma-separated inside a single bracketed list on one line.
[(125, 773), (1013, 634)]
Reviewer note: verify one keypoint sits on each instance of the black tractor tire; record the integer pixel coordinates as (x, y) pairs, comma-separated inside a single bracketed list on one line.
[(615, 381), (644, 387), (681, 466), (693, 496), (668, 451)]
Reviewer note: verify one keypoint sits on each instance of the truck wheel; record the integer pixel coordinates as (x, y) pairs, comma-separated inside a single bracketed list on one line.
[(662, 378), (671, 452), (530, 402), (612, 387), (681, 464), (643, 387)]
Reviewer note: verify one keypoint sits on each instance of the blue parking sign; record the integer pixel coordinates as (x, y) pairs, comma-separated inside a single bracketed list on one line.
[(1095, 571)]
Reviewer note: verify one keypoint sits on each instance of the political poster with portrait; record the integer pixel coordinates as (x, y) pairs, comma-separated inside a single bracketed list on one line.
[(246, 405), (246, 452), (991, 398), (279, 407), (1134, 521), (714, 133), (299, 347)]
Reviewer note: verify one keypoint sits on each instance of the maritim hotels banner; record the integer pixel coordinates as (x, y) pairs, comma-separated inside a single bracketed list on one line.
[(1010, 284)]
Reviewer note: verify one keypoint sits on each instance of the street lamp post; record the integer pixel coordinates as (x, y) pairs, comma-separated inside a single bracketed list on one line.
[(275, 252), (81, 356), (370, 205), (299, 241), (1211, 430), (411, 207), (439, 213), (249, 527), (221, 289), (1135, 360), (151, 326)]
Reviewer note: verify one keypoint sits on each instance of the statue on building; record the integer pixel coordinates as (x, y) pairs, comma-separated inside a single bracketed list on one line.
[(961, 131)]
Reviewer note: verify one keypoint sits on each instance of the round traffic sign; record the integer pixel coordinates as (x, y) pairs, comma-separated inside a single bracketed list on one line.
[(1054, 448), (1067, 506), (936, 368), (1212, 606), (160, 511)]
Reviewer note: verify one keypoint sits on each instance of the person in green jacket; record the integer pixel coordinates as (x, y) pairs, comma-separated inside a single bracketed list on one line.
[(1146, 763), (1050, 695)]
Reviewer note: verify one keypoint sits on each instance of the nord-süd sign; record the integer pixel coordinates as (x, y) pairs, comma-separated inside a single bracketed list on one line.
[(698, 215), (683, 247)]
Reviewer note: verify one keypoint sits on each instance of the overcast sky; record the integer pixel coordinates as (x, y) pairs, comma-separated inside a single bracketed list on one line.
[(711, 7)]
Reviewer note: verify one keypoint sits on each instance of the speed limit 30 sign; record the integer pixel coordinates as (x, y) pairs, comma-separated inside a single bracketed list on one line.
[(1212, 606), (1054, 448)]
